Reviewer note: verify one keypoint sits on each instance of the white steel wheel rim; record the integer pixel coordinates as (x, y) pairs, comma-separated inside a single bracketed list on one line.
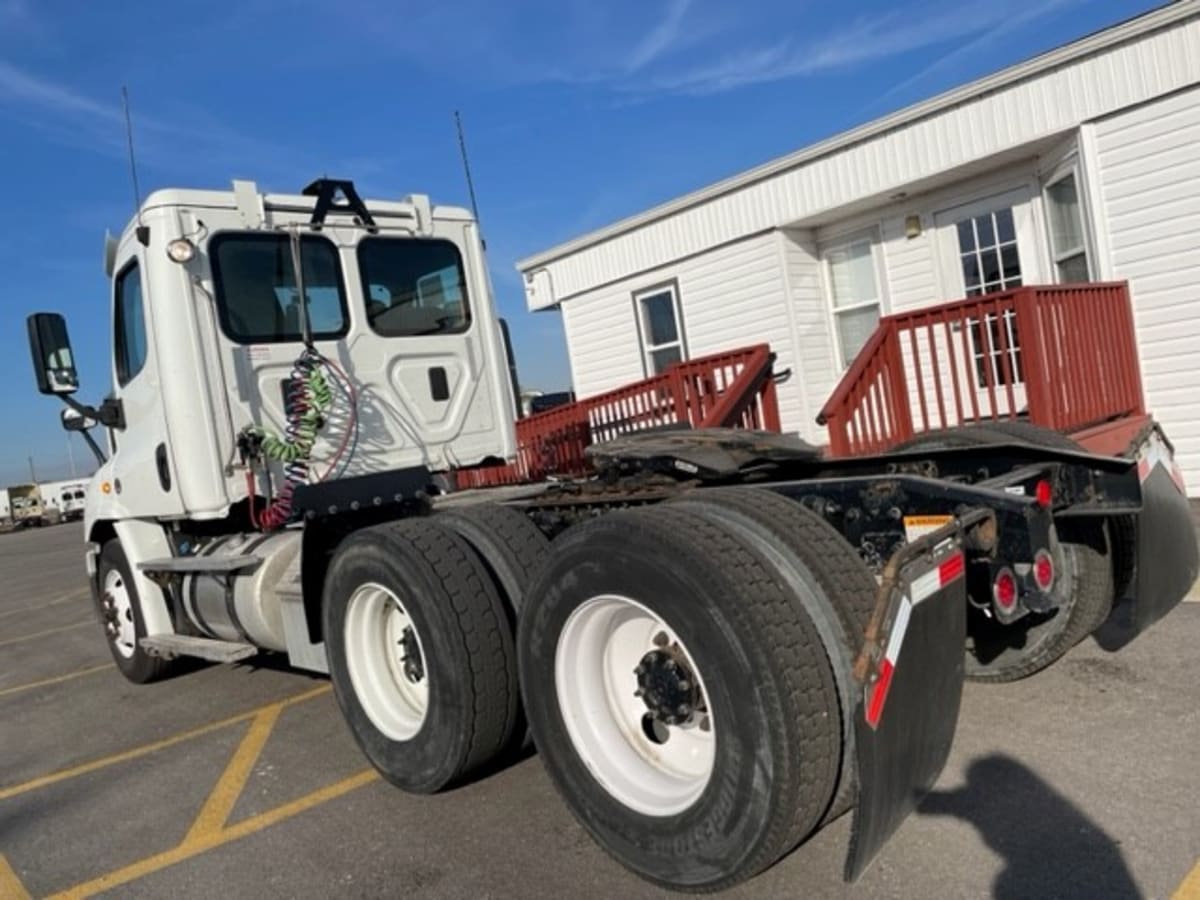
[(121, 631), (600, 646), (375, 626)]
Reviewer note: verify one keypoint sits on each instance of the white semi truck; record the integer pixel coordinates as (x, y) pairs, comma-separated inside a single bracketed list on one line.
[(707, 658)]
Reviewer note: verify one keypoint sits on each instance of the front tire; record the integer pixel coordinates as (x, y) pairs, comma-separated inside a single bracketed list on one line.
[(728, 757), (120, 612), (420, 654)]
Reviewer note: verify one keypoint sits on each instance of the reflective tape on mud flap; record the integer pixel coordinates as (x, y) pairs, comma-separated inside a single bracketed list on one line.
[(911, 670), (921, 588)]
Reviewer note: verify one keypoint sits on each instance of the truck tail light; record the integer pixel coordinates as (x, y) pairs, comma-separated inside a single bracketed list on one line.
[(1043, 570), (1044, 493), (1004, 590)]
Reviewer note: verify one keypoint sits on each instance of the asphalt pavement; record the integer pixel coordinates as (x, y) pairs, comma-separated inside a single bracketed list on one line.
[(241, 781)]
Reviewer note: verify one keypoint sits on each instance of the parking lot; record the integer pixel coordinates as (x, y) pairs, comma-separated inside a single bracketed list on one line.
[(241, 781)]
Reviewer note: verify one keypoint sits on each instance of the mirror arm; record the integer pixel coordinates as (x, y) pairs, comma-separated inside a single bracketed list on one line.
[(101, 459), (110, 414)]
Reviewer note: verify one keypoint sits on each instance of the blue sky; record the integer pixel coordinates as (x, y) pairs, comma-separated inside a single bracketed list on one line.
[(577, 114)]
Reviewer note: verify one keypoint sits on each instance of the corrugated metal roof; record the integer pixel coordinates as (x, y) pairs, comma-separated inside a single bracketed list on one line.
[(847, 188)]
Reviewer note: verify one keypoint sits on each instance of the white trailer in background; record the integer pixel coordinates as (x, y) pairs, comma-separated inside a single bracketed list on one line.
[(68, 497)]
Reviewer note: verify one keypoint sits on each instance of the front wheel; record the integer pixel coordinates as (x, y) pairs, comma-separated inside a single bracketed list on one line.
[(120, 613), (682, 703)]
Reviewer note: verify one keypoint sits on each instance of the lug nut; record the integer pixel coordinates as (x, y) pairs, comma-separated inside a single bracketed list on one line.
[(683, 709), (685, 685), (669, 665)]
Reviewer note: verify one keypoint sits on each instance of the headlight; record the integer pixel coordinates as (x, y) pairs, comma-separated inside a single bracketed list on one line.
[(181, 250)]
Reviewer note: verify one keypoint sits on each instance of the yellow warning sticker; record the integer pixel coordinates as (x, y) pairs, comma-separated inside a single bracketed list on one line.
[(919, 526)]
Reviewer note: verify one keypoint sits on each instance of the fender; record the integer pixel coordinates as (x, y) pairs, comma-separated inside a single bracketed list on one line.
[(144, 539)]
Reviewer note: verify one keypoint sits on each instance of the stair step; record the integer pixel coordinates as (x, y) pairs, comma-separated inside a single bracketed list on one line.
[(206, 565), (168, 646)]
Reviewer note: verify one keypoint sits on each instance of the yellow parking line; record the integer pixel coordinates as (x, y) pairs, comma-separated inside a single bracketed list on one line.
[(74, 595), (57, 679), (200, 844), (38, 634), (1189, 888), (134, 753), (220, 802), (10, 885)]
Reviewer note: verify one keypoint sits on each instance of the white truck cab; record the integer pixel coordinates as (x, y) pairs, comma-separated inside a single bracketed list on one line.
[(207, 326)]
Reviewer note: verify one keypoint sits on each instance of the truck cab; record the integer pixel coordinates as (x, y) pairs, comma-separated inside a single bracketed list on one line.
[(208, 323)]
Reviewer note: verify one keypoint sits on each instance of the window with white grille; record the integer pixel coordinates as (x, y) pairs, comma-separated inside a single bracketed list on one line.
[(660, 327)]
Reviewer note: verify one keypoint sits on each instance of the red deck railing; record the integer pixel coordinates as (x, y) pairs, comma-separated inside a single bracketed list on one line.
[(733, 390), (1061, 356)]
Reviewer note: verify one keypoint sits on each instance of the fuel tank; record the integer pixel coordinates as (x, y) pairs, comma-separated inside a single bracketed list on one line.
[(243, 605)]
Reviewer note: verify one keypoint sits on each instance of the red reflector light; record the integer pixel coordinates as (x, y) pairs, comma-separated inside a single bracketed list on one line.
[(1043, 570), (1044, 493), (1004, 589)]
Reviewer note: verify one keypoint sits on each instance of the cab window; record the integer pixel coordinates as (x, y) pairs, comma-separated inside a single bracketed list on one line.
[(129, 325), (413, 286), (257, 298)]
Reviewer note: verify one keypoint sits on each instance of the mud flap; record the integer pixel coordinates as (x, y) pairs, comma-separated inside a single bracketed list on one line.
[(1168, 560), (912, 675)]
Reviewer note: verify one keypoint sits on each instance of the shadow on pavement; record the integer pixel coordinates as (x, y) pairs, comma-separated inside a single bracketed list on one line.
[(1049, 847)]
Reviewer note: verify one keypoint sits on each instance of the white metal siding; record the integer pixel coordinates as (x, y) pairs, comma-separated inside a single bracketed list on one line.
[(1149, 174), (1145, 66), (603, 339), (728, 298), (816, 371)]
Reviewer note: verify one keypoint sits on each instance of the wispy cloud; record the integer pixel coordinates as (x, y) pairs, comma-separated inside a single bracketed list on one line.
[(71, 118), (1019, 19), (659, 39), (865, 40), (23, 87)]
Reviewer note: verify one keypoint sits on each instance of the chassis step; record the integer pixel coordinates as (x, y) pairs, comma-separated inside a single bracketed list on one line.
[(206, 565), (169, 646)]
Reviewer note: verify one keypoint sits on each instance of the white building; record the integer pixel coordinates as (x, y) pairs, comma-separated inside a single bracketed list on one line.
[(1082, 163)]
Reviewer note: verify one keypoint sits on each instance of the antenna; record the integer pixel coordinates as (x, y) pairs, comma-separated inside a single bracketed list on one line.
[(462, 146), (143, 233)]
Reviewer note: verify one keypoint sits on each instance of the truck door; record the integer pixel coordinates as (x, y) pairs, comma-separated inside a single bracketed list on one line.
[(142, 468)]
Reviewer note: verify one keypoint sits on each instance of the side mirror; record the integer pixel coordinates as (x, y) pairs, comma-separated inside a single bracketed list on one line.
[(53, 363), (73, 420)]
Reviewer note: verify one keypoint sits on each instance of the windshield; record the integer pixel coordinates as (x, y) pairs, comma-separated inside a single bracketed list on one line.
[(413, 286)]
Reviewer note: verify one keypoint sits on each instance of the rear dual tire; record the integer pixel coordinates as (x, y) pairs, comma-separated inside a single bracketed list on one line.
[(750, 763), (420, 654)]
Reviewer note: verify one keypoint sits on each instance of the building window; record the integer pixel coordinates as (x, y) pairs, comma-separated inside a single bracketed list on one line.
[(987, 246), (1067, 240), (854, 292), (660, 326), (129, 325)]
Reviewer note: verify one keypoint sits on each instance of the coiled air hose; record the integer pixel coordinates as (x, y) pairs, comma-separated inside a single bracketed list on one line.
[(307, 401)]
